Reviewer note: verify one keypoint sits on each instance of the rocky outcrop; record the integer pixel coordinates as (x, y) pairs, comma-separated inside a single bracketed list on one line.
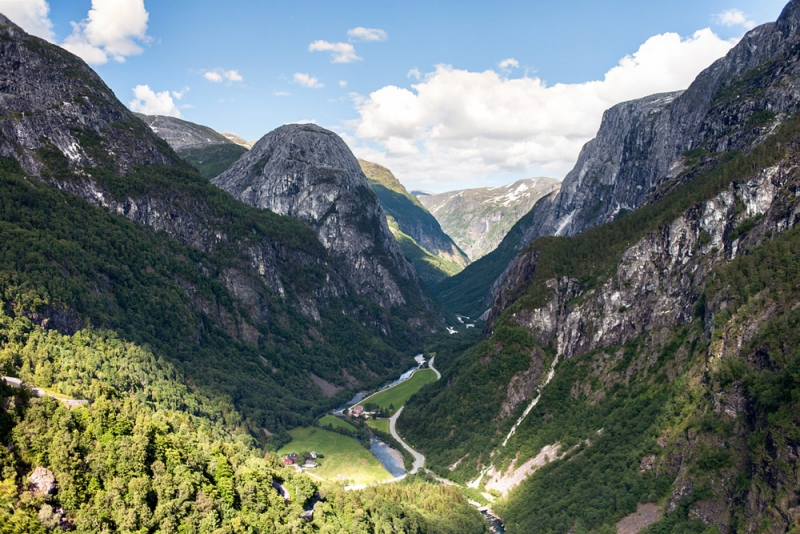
[(479, 219), (50, 100), (309, 173), (658, 279)]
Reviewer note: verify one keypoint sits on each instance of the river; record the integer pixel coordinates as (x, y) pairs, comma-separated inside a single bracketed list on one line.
[(391, 459)]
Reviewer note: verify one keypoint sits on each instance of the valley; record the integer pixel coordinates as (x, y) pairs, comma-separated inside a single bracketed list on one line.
[(200, 334)]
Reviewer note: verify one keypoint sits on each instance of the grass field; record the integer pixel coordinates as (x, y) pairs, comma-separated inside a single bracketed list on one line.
[(336, 422), (398, 395), (343, 456), (379, 424)]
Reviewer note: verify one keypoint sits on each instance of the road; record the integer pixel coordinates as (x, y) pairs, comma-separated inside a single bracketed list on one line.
[(419, 460), (430, 365)]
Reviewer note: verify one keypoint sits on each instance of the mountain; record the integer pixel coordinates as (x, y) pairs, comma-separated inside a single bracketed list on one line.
[(648, 359), (435, 256), (642, 150), (176, 333), (309, 173), (479, 219), (210, 152), (122, 235), (238, 140)]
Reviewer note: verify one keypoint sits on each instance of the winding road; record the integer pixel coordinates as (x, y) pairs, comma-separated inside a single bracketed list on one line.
[(419, 460)]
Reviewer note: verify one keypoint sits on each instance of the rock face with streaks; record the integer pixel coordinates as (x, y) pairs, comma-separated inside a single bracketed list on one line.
[(309, 173), (50, 100), (644, 147)]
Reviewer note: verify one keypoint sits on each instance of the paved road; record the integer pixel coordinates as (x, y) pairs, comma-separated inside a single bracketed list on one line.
[(419, 460), (430, 364)]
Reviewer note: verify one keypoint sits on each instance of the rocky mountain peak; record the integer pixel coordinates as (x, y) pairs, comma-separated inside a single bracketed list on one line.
[(70, 119), (309, 173)]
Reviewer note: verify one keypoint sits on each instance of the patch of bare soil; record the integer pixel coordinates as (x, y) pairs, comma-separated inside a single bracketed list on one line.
[(645, 515)]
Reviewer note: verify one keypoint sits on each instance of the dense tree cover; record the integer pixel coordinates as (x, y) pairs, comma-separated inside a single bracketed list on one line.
[(69, 264), (150, 455)]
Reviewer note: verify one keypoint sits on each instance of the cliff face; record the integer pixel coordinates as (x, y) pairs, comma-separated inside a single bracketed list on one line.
[(655, 347), (432, 252), (51, 100), (479, 219), (309, 173), (645, 147)]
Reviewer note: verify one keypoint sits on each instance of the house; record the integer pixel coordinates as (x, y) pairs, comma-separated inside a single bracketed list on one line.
[(309, 464), (356, 411), (290, 459), (314, 454)]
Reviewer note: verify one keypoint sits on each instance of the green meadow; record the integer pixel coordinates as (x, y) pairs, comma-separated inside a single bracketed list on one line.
[(343, 456), (379, 424), (398, 395), (336, 422)]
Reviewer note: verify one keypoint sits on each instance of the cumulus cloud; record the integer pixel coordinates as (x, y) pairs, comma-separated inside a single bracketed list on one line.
[(342, 83), (367, 34), (307, 81), (113, 29), (456, 125), (734, 17), (340, 52), (220, 75), (414, 73), (149, 102), (180, 94), (30, 15), (509, 63)]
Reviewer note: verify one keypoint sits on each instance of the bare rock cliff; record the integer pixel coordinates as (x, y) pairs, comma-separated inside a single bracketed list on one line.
[(306, 172)]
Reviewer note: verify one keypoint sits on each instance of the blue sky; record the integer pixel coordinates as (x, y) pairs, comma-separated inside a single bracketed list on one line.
[(425, 91)]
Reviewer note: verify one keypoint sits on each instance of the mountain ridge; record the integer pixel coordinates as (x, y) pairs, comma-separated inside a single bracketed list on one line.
[(433, 253)]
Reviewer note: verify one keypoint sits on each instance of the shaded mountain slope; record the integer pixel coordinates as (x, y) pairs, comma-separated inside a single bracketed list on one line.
[(123, 235), (433, 253)]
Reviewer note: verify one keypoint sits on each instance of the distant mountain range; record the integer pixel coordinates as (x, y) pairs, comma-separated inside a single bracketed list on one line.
[(479, 219), (209, 151)]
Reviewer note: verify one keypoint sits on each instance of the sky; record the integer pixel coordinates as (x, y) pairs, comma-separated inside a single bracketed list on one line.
[(448, 94)]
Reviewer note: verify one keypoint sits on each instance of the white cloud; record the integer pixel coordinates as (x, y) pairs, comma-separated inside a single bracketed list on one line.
[(342, 83), (180, 94), (340, 52), (30, 15), (281, 93), (734, 17), (509, 63), (112, 29), (220, 75), (367, 34), (149, 102), (456, 125), (414, 73), (307, 81)]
